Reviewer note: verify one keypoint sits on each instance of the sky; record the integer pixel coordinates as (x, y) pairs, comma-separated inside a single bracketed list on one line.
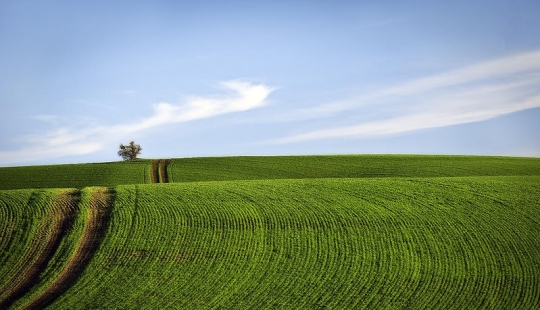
[(235, 78)]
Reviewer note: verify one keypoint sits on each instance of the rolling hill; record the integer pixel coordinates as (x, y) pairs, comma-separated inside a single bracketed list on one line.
[(298, 232), (263, 168)]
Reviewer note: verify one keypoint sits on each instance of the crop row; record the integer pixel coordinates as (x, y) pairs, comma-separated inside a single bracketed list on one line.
[(334, 243), (158, 172), (75, 175), (20, 215), (346, 166), (63, 236), (259, 168)]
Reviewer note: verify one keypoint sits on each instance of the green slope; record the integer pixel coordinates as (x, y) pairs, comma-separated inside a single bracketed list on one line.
[(299, 232), (264, 167), (336, 243), (47, 238), (346, 166), (76, 175)]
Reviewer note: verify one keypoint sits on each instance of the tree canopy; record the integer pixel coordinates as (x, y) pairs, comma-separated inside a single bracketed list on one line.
[(130, 151)]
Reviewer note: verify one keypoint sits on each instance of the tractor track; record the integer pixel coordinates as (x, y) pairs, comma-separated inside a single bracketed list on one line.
[(43, 248), (101, 200), (159, 172)]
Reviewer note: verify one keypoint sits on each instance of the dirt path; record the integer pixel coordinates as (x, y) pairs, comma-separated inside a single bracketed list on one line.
[(43, 248), (159, 171), (154, 171), (101, 200), (163, 170)]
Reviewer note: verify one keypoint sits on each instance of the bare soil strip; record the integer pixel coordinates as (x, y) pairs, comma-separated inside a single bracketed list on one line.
[(101, 200), (50, 234), (163, 170), (158, 171), (154, 172)]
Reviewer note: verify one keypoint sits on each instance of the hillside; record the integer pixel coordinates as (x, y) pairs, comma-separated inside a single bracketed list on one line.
[(307, 232), (264, 167), (75, 175)]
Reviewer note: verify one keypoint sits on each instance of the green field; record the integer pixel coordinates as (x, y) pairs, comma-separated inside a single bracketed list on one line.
[(263, 168), (299, 232), (76, 175)]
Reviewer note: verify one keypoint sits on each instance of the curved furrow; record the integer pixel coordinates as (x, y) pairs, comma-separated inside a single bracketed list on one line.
[(213, 252), (159, 171), (249, 247), (333, 243), (418, 252), (308, 266), (426, 293), (272, 256), (502, 253), (506, 255), (8, 220), (329, 251), (434, 283), (365, 263), (144, 248), (291, 247), (154, 254), (303, 261), (336, 257), (96, 224), (349, 260), (479, 254), (50, 232), (158, 249), (17, 227), (387, 251), (252, 251), (154, 171), (406, 260), (109, 265), (370, 237), (163, 170), (239, 249)]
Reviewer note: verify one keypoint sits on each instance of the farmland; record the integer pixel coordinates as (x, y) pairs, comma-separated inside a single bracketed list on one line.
[(309, 232), (75, 175), (262, 168)]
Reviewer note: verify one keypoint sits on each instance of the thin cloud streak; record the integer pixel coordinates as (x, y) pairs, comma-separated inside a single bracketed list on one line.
[(475, 93), (491, 70), (242, 96), (47, 118), (245, 97)]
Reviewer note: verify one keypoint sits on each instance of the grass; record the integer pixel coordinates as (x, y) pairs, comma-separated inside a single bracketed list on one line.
[(76, 175), (351, 166), (96, 208), (348, 243), (52, 219), (288, 233), (261, 168), (45, 248), (20, 214)]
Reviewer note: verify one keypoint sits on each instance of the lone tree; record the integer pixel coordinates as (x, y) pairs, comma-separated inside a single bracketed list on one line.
[(130, 151)]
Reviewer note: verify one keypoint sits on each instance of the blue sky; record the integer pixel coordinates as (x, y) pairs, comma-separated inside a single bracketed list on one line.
[(217, 78)]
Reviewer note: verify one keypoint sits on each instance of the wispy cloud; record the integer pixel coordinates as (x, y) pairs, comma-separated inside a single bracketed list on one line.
[(243, 96), (240, 96), (47, 118), (471, 94)]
